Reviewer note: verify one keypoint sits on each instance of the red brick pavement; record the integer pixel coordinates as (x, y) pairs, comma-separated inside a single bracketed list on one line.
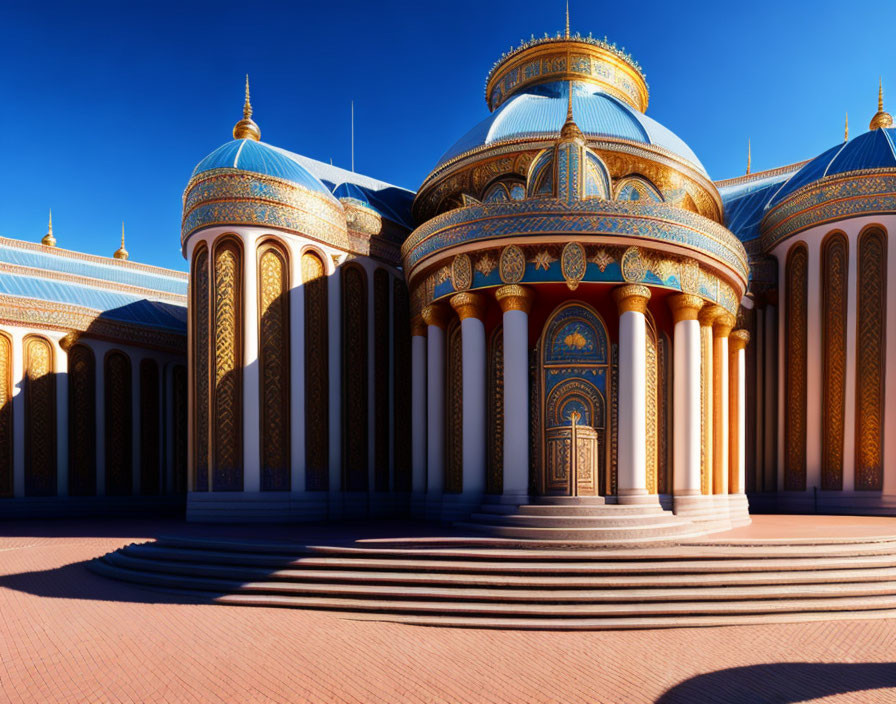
[(67, 635)]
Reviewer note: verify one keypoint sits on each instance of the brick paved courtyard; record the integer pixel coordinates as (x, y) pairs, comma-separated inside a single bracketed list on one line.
[(67, 635)]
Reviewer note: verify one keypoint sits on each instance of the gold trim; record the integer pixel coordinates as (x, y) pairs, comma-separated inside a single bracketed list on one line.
[(738, 340), (685, 306), (631, 297), (436, 315), (469, 305), (515, 297)]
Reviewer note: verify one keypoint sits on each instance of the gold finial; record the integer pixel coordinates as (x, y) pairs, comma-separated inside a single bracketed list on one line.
[(570, 128), (846, 129), (749, 156), (881, 117), (567, 19), (48, 239), (246, 128), (121, 252)]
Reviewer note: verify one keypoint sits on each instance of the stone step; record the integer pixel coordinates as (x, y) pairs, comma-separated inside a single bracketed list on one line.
[(614, 510), (661, 532), (570, 500), (577, 521), (621, 581)]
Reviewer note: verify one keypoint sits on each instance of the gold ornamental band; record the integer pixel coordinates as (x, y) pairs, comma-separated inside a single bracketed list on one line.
[(685, 306), (468, 305), (723, 325), (436, 315), (418, 327), (631, 297), (738, 340), (515, 297), (708, 315)]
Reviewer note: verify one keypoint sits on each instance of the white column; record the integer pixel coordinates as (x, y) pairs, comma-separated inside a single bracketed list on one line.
[(770, 398), (418, 406), (720, 330), (251, 435), (435, 318), (334, 315), (296, 372), (738, 405), (18, 413), (61, 357), (686, 394), (516, 302), (759, 384), (470, 308), (135, 422), (632, 449), (814, 374)]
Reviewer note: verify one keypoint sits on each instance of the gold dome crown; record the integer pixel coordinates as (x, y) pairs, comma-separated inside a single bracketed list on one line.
[(121, 252), (881, 118), (48, 239), (246, 128)]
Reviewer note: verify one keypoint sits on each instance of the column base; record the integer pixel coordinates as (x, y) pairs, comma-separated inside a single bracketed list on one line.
[(636, 496)]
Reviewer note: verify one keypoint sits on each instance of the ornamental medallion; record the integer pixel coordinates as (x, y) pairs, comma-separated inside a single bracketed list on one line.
[(572, 264), (633, 268), (462, 272), (690, 276), (512, 265)]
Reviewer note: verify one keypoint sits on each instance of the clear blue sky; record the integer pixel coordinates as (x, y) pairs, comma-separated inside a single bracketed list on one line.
[(107, 106)]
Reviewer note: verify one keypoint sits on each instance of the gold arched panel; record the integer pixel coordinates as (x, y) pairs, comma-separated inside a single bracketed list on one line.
[(454, 416), (6, 435), (652, 390), (381, 380), (273, 359), (354, 379), (200, 291), (871, 345), (118, 424), (81, 421), (150, 430), (40, 417), (317, 374), (495, 476), (401, 389), (796, 311), (834, 274), (227, 408), (664, 416)]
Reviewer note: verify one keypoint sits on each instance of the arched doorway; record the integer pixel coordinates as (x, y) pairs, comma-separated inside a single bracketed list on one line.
[(574, 386)]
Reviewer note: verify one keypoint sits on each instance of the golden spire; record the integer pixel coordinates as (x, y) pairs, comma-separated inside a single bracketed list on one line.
[(846, 129), (570, 128), (48, 238), (121, 252), (246, 128), (881, 118), (567, 19), (749, 156)]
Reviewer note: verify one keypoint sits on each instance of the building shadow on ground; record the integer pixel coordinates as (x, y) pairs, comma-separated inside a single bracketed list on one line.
[(783, 683)]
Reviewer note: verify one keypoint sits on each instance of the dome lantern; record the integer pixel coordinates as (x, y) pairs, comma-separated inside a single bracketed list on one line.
[(881, 118), (246, 128)]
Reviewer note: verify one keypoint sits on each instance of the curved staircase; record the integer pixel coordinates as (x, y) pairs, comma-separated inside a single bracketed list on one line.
[(503, 583)]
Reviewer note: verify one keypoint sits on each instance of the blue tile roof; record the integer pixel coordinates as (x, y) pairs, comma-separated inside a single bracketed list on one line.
[(540, 111), (744, 202)]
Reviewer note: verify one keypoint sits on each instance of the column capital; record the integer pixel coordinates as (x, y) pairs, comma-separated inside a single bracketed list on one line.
[(685, 306), (515, 297), (436, 314), (631, 297), (468, 305), (723, 324), (738, 339), (709, 313), (418, 327)]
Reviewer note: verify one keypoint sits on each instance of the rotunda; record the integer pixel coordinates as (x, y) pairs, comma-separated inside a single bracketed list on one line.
[(575, 296)]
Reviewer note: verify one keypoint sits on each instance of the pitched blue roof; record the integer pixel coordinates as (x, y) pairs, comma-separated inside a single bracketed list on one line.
[(260, 158), (540, 111), (871, 150), (744, 203)]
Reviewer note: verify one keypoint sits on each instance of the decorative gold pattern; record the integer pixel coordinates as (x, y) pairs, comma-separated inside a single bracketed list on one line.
[(119, 434), (572, 264), (469, 305), (633, 267), (354, 379), (796, 350), (227, 425), (381, 380), (495, 476), (201, 356), (834, 267), (454, 417), (40, 418), (401, 389), (462, 272), (512, 265), (6, 435), (602, 259), (274, 367), (485, 265), (150, 432), (317, 374), (664, 416), (631, 297), (685, 306), (652, 400), (871, 343), (543, 260), (513, 297)]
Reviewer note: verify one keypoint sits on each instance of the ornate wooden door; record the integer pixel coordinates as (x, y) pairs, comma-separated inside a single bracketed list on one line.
[(571, 460)]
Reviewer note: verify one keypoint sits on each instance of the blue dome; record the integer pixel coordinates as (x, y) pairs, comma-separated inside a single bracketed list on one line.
[(540, 111), (260, 158), (871, 150)]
